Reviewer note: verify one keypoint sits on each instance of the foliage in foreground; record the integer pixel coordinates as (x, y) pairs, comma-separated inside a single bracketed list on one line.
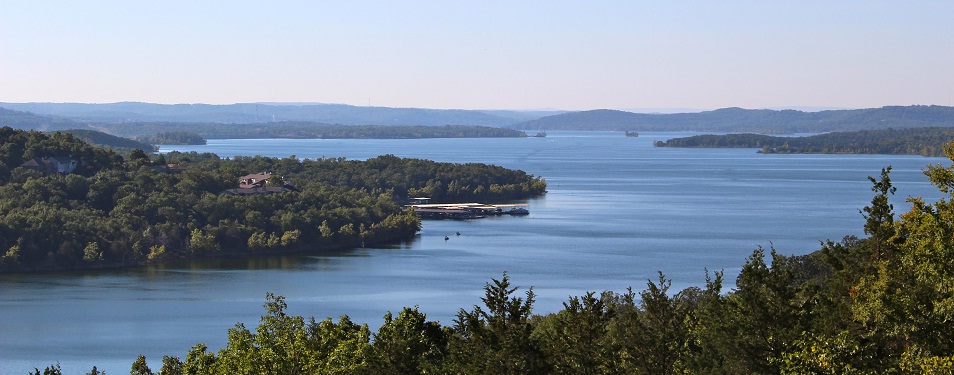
[(878, 305)]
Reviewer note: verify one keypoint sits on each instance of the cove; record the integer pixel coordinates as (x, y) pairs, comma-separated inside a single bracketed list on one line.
[(618, 210)]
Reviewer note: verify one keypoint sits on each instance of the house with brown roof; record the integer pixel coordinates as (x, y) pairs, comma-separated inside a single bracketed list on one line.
[(52, 165), (258, 184), (254, 180)]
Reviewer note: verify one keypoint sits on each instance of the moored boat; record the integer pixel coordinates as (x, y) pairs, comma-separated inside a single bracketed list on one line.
[(516, 211)]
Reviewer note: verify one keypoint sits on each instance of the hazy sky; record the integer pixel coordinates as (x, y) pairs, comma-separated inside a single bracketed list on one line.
[(481, 54)]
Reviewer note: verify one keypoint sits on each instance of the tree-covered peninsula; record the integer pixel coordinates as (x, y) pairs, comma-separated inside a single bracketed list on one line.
[(877, 305), (67, 205), (914, 141)]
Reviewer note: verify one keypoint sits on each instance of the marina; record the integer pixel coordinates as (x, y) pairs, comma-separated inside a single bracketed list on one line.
[(463, 211)]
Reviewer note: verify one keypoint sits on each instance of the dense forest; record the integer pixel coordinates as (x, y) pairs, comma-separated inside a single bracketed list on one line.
[(736, 120), (114, 211), (916, 141), (877, 305)]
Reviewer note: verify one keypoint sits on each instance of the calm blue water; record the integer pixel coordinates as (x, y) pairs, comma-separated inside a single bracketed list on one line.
[(618, 210)]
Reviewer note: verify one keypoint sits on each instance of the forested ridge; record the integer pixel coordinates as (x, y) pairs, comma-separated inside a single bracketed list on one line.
[(184, 132), (115, 211), (915, 141), (883, 304), (764, 121)]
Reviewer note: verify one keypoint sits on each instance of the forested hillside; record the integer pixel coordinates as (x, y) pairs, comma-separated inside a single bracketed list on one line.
[(877, 305), (737, 120), (120, 144), (112, 211), (916, 141), (30, 121)]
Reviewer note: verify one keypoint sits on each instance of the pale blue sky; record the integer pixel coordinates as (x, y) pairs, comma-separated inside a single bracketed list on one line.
[(571, 55)]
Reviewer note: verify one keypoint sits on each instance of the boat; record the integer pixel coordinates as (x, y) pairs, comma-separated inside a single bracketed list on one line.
[(540, 134), (632, 133), (516, 211)]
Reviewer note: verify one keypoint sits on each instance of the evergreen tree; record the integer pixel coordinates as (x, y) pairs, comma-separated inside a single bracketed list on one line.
[(496, 340)]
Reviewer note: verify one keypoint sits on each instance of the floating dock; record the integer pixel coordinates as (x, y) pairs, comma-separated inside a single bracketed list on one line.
[(467, 210)]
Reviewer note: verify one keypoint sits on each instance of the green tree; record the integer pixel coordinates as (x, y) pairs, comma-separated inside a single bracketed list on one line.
[(199, 361), (50, 370), (91, 253), (908, 300), (657, 347), (764, 312), (576, 339), (202, 243), (139, 367), (171, 365), (497, 340), (408, 344), (156, 253)]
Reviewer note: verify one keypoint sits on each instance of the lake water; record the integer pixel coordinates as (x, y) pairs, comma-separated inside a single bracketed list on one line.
[(618, 210)]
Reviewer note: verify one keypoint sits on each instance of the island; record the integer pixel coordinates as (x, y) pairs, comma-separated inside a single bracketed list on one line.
[(928, 141)]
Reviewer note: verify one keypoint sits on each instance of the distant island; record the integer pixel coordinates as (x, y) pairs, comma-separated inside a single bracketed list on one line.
[(915, 141)]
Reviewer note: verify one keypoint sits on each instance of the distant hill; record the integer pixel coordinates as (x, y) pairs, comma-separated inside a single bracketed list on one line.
[(763, 121), (111, 134), (30, 121), (126, 115), (109, 141), (261, 113)]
